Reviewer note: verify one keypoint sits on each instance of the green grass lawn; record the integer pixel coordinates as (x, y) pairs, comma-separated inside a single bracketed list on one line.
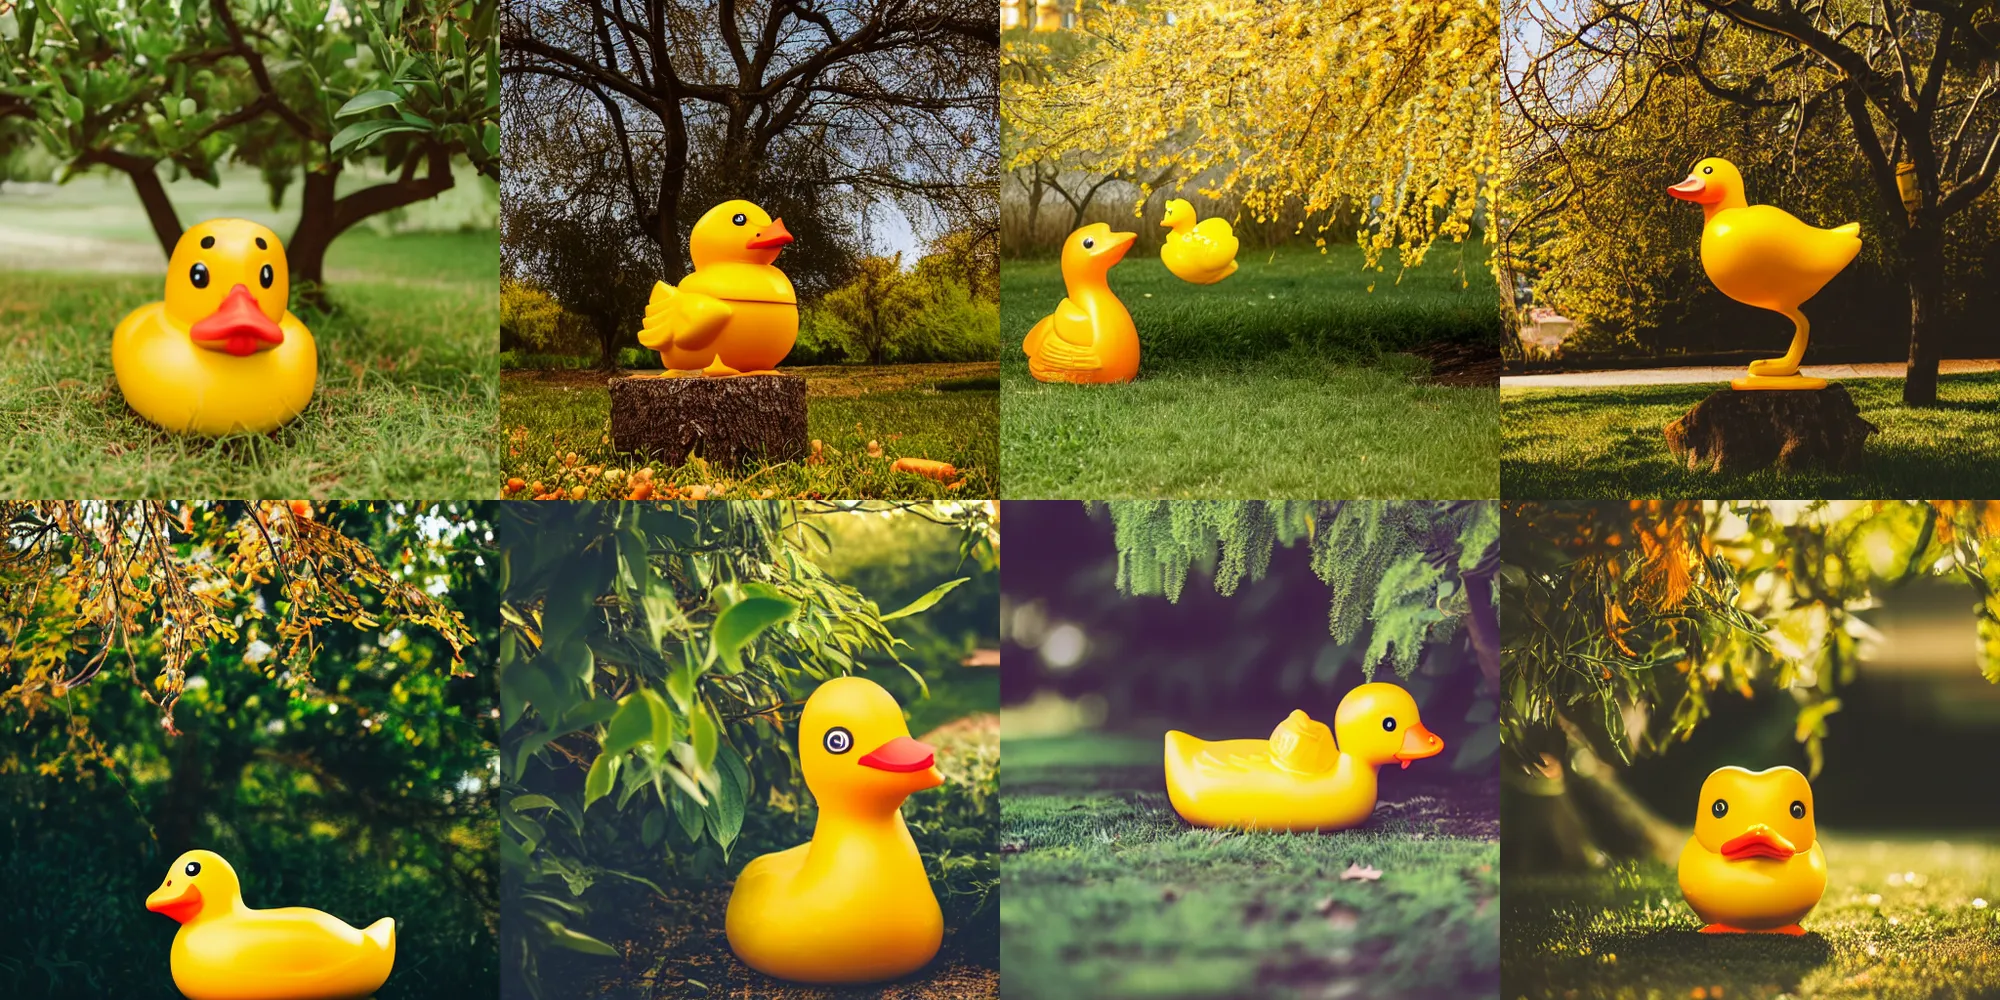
[(1606, 442), (1626, 933), (1106, 892), (944, 412), (406, 399), (1280, 381)]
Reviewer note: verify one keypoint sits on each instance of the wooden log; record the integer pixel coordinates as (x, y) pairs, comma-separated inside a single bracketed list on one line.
[(727, 421), (1740, 431)]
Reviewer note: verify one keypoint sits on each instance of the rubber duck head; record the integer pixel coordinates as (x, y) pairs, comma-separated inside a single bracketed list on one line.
[(227, 285), (737, 231), (1303, 745), (1714, 183), (856, 750), (198, 883), (1756, 814), (1180, 215), (1378, 723), (1093, 249)]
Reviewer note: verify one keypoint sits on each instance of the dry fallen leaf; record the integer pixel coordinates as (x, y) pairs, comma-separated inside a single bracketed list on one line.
[(1359, 873)]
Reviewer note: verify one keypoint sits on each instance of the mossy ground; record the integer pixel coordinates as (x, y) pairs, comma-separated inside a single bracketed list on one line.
[(1106, 892), (1901, 919), (1282, 380), (1606, 443)]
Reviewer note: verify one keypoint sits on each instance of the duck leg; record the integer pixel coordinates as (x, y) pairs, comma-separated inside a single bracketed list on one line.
[(1783, 373)]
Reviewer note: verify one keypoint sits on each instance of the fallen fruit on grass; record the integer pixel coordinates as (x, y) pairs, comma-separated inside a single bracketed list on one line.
[(940, 471), (516, 485), (576, 492), (641, 490), (817, 457), (875, 449)]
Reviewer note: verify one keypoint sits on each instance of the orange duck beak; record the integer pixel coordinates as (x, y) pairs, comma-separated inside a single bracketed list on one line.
[(238, 327), (1693, 189), (1419, 743), (774, 235), (181, 905), (1759, 841), (901, 755)]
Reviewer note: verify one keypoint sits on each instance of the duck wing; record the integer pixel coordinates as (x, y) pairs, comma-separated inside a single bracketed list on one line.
[(683, 319), (1067, 345)]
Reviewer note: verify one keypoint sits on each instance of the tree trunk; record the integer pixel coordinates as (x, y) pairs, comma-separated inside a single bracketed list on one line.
[(153, 196), (673, 178), (305, 255), (1926, 279)]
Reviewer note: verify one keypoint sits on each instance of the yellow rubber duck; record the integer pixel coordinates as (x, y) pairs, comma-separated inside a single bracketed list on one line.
[(227, 951), (852, 905), (737, 313), (1754, 864), (1090, 337), (220, 355), (1201, 252), (1760, 255), (1302, 778)]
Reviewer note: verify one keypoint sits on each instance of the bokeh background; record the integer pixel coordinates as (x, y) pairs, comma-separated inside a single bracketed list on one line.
[(366, 793), (1107, 892)]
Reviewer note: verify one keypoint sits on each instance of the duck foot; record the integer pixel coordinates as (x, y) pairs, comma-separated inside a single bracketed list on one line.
[(1756, 381), (1789, 930), (1775, 366)]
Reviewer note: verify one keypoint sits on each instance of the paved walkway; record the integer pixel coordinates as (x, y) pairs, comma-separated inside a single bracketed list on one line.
[(1690, 376)]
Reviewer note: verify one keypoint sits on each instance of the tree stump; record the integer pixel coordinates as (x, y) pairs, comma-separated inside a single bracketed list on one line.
[(727, 421), (1740, 431)]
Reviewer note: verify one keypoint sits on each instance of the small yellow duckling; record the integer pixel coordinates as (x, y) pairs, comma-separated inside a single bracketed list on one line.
[(737, 313), (1204, 252), (227, 951), (1760, 255), (853, 905), (1302, 778), (1090, 338), (1754, 864), (221, 354)]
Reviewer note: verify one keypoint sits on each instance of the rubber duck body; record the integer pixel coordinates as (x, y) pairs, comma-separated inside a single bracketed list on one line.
[(227, 951), (220, 354), (1090, 337), (736, 313), (1200, 252), (853, 905), (1305, 777), (1760, 255), (1754, 864)]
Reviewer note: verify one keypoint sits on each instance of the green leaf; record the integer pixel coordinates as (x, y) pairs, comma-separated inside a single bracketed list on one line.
[(729, 797), (577, 940), (188, 107), (632, 725), (584, 715), (701, 729), (597, 784), (680, 685), (356, 137), (522, 802), (664, 730), (740, 622), (686, 799), (923, 604), (368, 101)]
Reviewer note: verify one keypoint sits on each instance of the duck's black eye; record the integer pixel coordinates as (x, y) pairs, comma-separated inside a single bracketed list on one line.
[(740, 219), (1798, 810), (260, 244), (839, 740), (1088, 243), (199, 275), (1389, 724), (1720, 808), (1708, 170), (265, 276), (193, 868), (207, 242)]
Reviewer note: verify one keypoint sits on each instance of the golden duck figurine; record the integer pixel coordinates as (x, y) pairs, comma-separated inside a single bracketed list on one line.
[(220, 354), (1090, 337), (1754, 864), (1305, 777), (1760, 255), (736, 314), (1200, 252)]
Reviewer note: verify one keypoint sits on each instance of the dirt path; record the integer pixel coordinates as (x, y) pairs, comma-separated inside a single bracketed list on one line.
[(1719, 373)]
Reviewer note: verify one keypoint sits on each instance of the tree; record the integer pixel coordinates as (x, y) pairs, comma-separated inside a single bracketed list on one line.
[(1633, 618), (1288, 106), (1401, 570), (586, 265), (883, 99), (302, 89), (532, 320), (1909, 81), (875, 306), (654, 660)]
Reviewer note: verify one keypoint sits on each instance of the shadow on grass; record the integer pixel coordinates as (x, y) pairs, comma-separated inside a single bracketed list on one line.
[(1106, 892)]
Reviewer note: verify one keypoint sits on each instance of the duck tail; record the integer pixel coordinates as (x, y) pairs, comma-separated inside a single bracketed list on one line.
[(382, 934), (1851, 229)]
